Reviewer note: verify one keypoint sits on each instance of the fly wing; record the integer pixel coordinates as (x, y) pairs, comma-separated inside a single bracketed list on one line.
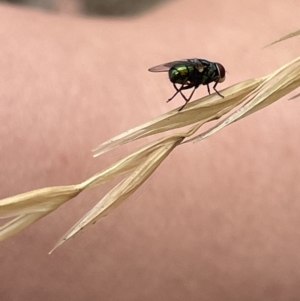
[(167, 66), (198, 63)]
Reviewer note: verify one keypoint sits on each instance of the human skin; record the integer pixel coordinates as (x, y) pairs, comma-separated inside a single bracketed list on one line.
[(218, 220)]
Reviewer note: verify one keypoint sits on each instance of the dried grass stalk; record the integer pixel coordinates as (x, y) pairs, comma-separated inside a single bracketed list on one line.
[(278, 84), (31, 206), (126, 187), (209, 107), (288, 36), (261, 92)]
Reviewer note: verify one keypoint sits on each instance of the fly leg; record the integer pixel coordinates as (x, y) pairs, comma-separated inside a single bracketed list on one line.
[(177, 91), (184, 86), (186, 99), (215, 88), (208, 89)]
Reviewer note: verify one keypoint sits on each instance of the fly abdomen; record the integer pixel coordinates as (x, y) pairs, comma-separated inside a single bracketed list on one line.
[(180, 74)]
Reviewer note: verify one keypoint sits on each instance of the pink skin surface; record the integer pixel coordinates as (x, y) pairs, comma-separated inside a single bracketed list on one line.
[(219, 220)]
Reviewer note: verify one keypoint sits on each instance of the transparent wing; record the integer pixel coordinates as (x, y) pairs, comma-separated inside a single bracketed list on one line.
[(167, 66)]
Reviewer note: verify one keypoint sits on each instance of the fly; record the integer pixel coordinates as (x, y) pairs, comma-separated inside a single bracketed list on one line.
[(192, 73)]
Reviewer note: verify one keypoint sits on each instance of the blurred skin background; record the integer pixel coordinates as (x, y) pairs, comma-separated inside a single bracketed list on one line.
[(92, 7), (218, 220)]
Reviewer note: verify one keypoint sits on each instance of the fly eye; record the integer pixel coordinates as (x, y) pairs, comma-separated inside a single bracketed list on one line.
[(222, 72)]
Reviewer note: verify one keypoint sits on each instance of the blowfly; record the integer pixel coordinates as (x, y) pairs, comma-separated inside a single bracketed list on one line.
[(192, 73)]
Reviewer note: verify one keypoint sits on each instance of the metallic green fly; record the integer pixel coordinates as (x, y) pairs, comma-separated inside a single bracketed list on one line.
[(192, 73)]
